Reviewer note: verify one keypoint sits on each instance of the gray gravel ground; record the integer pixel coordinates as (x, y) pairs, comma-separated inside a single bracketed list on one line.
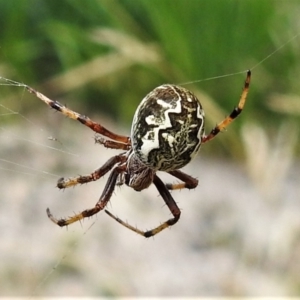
[(232, 239)]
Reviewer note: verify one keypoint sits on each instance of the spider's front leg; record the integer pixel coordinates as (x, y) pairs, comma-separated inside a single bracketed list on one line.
[(189, 182), (169, 202), (235, 113), (79, 117), (105, 197), (68, 182)]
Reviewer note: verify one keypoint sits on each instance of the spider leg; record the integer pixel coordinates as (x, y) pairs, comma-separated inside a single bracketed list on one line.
[(81, 118), (63, 183), (111, 144), (189, 182), (237, 110), (105, 197), (169, 202)]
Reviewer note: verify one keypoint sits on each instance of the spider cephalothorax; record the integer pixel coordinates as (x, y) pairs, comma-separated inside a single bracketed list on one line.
[(167, 131)]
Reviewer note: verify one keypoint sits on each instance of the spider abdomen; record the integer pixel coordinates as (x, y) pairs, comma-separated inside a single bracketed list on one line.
[(167, 128)]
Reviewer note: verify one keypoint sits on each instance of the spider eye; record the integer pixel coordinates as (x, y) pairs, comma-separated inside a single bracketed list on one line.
[(167, 128)]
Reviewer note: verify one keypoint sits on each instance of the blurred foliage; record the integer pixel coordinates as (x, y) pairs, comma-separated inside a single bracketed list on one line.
[(108, 54)]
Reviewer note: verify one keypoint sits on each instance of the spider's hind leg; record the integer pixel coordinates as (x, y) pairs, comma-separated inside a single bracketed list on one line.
[(169, 202)]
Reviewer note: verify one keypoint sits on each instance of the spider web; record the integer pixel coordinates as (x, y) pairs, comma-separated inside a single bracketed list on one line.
[(32, 154)]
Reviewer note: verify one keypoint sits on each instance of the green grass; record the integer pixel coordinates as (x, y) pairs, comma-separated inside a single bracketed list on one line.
[(44, 41)]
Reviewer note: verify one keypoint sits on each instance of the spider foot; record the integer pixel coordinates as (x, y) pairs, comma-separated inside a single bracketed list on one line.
[(60, 222), (147, 233), (64, 222), (78, 217), (63, 183), (125, 224)]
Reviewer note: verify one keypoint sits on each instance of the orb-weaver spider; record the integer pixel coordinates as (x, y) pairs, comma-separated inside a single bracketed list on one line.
[(167, 131)]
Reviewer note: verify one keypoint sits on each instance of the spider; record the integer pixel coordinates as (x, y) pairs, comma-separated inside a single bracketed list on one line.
[(166, 134)]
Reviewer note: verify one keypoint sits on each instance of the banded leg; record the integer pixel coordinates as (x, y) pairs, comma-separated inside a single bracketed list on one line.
[(189, 182), (81, 118), (235, 113), (169, 202), (105, 197), (65, 183)]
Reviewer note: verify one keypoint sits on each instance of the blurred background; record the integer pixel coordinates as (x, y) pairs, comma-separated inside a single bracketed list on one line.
[(239, 234)]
